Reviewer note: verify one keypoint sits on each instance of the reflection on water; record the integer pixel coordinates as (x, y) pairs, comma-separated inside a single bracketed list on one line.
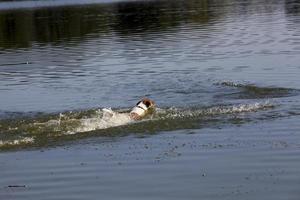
[(292, 7), (57, 24), (54, 24), (127, 18)]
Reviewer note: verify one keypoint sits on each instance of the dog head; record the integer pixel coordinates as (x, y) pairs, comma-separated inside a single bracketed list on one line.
[(143, 108)]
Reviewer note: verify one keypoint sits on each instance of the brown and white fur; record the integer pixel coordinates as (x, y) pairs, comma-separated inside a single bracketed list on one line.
[(143, 108)]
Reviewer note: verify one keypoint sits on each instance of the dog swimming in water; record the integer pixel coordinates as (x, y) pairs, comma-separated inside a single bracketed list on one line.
[(145, 107)]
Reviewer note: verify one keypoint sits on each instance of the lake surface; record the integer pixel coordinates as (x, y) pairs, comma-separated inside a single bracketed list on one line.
[(225, 76)]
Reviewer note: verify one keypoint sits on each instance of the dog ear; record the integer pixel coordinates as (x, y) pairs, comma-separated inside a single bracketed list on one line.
[(147, 103)]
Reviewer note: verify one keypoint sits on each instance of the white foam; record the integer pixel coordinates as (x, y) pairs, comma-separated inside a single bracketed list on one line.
[(109, 119), (175, 113), (240, 108), (25, 140)]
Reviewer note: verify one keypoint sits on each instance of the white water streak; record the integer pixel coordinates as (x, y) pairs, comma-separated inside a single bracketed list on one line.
[(26, 140), (109, 119)]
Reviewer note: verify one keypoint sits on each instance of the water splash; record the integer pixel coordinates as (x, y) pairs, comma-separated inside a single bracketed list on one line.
[(29, 131), (108, 119), (252, 91), (217, 110), (16, 142)]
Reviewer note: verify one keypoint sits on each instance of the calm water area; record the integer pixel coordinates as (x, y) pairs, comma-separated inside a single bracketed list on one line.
[(225, 76)]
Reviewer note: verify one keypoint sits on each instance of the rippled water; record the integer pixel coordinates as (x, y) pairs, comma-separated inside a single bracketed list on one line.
[(224, 74)]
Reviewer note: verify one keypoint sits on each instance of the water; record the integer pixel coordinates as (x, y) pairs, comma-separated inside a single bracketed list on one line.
[(224, 75)]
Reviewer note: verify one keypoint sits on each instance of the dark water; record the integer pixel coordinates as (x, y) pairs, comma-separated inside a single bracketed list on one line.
[(224, 74)]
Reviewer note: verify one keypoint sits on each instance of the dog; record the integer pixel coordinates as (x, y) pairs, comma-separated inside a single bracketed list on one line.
[(145, 107)]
